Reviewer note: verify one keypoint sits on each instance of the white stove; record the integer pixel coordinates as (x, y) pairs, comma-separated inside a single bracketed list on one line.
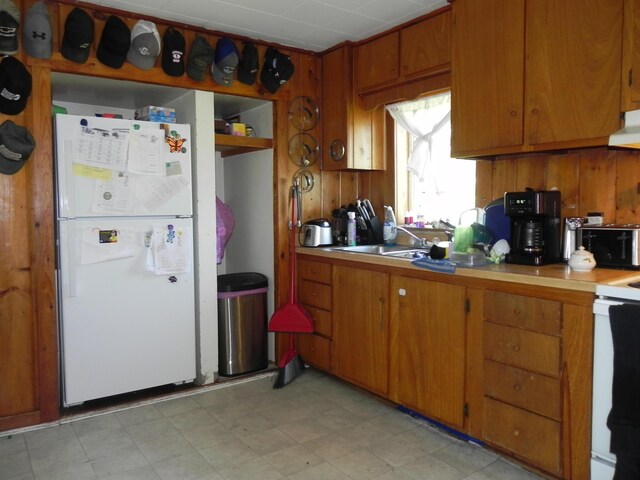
[(615, 293)]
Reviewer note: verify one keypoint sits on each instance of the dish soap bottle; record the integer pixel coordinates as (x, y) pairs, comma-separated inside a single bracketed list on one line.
[(351, 229), (389, 231)]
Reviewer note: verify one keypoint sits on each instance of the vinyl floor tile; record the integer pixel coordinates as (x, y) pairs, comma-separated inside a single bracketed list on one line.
[(316, 428)]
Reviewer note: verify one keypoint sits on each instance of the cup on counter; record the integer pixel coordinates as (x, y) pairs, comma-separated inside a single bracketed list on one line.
[(462, 238)]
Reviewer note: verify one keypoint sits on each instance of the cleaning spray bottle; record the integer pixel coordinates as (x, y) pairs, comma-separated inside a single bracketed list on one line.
[(389, 231), (351, 229)]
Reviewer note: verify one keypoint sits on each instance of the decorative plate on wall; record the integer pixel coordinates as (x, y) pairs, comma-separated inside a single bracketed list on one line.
[(303, 113), (303, 149)]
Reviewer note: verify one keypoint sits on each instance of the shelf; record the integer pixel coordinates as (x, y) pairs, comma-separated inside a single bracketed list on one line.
[(229, 145)]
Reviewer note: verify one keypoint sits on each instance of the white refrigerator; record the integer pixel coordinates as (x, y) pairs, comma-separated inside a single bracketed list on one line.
[(126, 295)]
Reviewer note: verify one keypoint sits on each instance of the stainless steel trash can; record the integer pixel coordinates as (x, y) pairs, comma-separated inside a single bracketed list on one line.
[(242, 323)]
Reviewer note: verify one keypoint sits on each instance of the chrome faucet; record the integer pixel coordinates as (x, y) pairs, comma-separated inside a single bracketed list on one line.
[(422, 242)]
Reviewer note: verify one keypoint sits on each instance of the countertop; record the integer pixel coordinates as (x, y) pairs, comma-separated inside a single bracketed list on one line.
[(557, 275)]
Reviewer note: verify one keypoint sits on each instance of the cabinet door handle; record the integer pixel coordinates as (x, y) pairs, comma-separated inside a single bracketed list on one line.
[(517, 387), (516, 348), (381, 302)]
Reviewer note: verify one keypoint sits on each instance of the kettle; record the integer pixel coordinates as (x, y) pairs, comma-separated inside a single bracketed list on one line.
[(316, 233)]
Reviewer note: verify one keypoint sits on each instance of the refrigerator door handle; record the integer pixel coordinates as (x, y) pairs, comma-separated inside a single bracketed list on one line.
[(72, 256), (67, 201)]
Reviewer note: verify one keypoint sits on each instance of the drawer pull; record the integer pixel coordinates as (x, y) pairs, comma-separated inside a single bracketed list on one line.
[(517, 387), (516, 433), (517, 311), (516, 348)]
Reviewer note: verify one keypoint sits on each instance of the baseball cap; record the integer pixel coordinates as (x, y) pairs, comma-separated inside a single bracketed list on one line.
[(225, 62), (114, 43), (9, 23), (174, 46), (16, 144), (277, 69), (248, 64), (15, 86), (200, 57), (78, 36), (145, 45), (37, 31)]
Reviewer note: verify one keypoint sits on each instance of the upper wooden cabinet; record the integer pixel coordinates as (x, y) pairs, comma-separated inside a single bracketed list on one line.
[(534, 75), (352, 137), (418, 50), (631, 56)]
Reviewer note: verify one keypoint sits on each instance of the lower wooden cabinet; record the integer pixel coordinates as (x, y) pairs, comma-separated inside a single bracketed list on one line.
[(361, 327), (428, 348), (506, 363), (314, 293), (523, 433)]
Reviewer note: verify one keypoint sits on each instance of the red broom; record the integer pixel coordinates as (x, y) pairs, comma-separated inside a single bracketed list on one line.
[(291, 317)]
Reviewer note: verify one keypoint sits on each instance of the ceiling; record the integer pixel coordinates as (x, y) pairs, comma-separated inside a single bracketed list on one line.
[(313, 25)]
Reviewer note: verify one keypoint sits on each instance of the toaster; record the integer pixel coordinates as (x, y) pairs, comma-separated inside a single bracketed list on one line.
[(613, 246), (316, 233)]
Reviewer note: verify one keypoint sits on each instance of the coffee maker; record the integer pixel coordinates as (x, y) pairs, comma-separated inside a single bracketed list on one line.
[(535, 227)]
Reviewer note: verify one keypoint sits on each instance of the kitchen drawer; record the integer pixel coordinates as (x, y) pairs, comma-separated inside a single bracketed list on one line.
[(522, 348), (543, 316), (315, 271), (315, 350), (531, 391), (315, 294), (530, 436), (322, 320)]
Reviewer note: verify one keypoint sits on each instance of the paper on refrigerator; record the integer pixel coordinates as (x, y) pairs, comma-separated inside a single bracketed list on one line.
[(100, 147), (106, 244), (169, 250)]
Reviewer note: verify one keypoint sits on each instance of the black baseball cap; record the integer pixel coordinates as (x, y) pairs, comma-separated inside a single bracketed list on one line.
[(173, 48), (15, 86), (114, 43), (248, 65), (16, 145), (200, 58), (78, 36), (277, 69)]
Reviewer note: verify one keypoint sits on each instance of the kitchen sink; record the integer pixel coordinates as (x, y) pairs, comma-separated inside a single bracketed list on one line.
[(396, 251)]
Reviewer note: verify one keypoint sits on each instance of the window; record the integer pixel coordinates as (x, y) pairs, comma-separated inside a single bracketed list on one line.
[(428, 180)]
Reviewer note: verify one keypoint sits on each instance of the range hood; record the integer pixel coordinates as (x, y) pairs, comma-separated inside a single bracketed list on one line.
[(629, 136)]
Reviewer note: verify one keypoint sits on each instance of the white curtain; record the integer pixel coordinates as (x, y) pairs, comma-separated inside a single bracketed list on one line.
[(428, 120)]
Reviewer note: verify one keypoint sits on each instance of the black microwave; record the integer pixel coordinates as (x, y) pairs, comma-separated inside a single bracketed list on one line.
[(613, 246)]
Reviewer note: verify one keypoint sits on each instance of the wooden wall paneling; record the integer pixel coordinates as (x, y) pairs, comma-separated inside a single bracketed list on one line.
[(484, 183), (348, 187), (330, 191), (597, 181), (627, 187), (504, 176), (530, 172), (563, 173), (43, 248)]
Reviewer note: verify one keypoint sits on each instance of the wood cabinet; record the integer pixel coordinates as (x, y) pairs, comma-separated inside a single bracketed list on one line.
[(507, 363), (352, 137), (630, 79), (534, 75), (522, 347), (361, 327), (427, 364), (314, 293), (415, 51)]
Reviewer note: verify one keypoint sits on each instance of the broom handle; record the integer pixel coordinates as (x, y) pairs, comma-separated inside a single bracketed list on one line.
[(292, 250)]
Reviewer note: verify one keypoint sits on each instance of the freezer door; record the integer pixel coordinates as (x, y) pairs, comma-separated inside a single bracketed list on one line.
[(92, 180), (123, 327)]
